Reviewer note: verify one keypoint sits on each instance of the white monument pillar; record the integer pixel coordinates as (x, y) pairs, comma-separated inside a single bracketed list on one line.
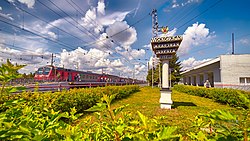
[(165, 67), (165, 99), (165, 48)]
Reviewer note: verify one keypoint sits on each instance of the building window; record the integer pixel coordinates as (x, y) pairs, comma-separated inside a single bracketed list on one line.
[(248, 80), (244, 80)]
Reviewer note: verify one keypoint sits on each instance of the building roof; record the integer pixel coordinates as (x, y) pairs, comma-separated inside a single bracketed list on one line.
[(212, 61)]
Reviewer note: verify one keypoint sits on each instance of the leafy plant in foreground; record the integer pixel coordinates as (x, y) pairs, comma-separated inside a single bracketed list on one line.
[(9, 72), (114, 124), (23, 122), (221, 125)]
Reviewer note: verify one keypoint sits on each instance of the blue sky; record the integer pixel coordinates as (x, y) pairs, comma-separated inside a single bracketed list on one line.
[(114, 35)]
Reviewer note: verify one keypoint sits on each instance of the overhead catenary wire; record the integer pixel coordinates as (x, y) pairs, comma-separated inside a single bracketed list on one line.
[(85, 32), (18, 48), (75, 6), (31, 52), (112, 40), (93, 36), (195, 51), (184, 16), (14, 46), (36, 34), (71, 22), (47, 22), (204, 11), (81, 11), (20, 56), (181, 11)]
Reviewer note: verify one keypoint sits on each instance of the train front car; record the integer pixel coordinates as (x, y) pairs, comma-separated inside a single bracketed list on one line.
[(44, 74)]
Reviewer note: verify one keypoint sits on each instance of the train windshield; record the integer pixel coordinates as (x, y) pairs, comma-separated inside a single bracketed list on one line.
[(44, 71)]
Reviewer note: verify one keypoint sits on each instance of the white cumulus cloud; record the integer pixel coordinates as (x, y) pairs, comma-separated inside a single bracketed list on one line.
[(117, 63), (194, 35), (176, 4), (106, 44), (125, 38), (29, 3), (101, 7), (191, 62)]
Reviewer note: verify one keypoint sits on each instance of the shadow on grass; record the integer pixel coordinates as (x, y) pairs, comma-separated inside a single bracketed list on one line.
[(177, 104)]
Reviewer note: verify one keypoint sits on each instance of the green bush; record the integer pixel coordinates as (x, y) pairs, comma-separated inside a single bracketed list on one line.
[(234, 98), (81, 99), (23, 122), (221, 125)]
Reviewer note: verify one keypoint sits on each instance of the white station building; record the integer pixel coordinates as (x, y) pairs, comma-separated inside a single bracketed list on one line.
[(225, 71)]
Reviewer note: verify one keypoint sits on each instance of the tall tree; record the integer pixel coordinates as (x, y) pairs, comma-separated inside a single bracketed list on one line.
[(175, 67)]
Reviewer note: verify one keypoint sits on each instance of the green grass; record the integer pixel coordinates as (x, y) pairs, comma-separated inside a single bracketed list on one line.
[(184, 108)]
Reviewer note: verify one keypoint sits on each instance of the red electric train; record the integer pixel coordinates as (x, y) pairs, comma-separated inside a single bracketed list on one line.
[(52, 73)]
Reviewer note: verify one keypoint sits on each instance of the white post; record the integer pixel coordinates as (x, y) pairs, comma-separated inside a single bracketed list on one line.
[(165, 99), (159, 75), (165, 67)]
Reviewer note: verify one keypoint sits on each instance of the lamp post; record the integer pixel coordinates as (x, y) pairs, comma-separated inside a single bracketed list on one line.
[(165, 48)]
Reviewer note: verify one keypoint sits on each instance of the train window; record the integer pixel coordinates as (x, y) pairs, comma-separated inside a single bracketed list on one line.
[(39, 71), (82, 76), (46, 71)]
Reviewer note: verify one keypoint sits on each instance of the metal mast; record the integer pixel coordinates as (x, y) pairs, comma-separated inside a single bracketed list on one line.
[(155, 34), (232, 43), (155, 24)]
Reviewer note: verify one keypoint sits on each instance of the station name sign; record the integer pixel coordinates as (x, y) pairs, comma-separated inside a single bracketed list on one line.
[(166, 39), (166, 47)]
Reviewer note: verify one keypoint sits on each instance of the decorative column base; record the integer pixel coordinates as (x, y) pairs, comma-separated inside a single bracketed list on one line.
[(165, 99)]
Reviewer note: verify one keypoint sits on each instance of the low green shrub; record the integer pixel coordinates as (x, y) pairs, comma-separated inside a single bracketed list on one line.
[(81, 99), (23, 122), (221, 125), (234, 98)]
